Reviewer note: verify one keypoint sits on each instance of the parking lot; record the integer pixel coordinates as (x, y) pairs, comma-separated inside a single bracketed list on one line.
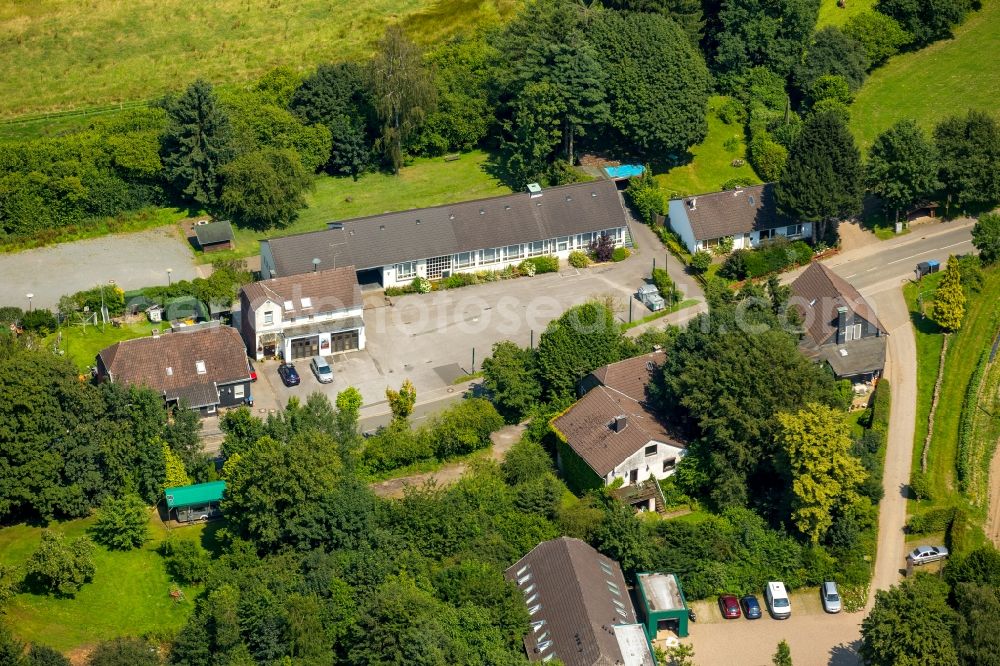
[(815, 637), (431, 338)]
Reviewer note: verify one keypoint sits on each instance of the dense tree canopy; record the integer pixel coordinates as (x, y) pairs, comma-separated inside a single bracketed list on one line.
[(902, 166), (926, 20), (986, 237), (910, 624), (264, 188), (969, 153), (760, 33), (583, 338), (833, 52)]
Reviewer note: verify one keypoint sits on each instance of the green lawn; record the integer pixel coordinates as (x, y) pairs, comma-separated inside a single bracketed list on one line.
[(130, 593), (64, 54), (144, 219), (964, 349), (712, 162), (831, 14), (943, 79), (425, 182), (81, 344)]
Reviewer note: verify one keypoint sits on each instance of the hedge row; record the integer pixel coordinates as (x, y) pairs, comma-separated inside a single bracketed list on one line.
[(773, 257), (965, 463)]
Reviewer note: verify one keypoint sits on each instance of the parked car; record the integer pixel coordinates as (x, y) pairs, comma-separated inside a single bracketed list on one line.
[(253, 371), (924, 554), (322, 369), (751, 607), (289, 375), (730, 606), (831, 597), (649, 296), (778, 601)]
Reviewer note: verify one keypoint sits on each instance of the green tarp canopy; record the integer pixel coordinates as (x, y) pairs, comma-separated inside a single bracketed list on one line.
[(198, 494)]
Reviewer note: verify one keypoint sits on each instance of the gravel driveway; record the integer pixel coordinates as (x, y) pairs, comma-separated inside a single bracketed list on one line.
[(132, 260)]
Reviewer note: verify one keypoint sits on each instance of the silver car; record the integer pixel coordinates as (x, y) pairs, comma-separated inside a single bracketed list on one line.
[(925, 554), (831, 597), (321, 369)]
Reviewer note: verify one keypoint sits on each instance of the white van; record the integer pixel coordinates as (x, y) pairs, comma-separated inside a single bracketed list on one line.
[(321, 369), (777, 601)]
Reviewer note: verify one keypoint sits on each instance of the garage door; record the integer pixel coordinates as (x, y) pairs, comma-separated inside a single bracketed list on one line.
[(305, 347), (344, 341)]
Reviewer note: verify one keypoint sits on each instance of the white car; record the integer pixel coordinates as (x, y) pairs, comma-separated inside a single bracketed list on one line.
[(925, 554), (322, 369)]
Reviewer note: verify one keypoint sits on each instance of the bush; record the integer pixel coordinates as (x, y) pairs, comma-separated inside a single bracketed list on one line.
[(61, 566), (602, 248), (700, 261), (881, 404), (733, 112), (935, 520), (736, 183), (725, 246), (421, 285), (767, 156), (122, 523), (547, 264), (456, 280), (920, 486), (735, 265), (40, 321), (731, 145), (186, 561), (646, 197), (665, 285), (620, 254), (578, 259)]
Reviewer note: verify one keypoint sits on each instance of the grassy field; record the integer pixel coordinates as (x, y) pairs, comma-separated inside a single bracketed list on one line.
[(61, 54), (986, 429), (130, 593), (945, 78), (964, 348), (81, 344), (145, 219), (831, 14), (712, 162), (425, 182)]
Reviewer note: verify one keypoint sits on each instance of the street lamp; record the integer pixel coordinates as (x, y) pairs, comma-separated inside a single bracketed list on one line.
[(315, 264), (30, 296), (169, 271)]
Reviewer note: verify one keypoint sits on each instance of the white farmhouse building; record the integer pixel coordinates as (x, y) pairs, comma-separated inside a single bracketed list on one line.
[(486, 234), (313, 314), (748, 215)]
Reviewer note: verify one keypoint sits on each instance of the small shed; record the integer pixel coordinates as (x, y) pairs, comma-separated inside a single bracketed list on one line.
[(214, 236), (197, 502), (663, 605)]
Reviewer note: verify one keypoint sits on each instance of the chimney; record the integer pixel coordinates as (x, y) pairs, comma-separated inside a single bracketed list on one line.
[(534, 190), (619, 423), (692, 203), (841, 325), (156, 333)]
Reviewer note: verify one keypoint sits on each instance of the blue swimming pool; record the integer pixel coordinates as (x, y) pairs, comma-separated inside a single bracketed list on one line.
[(624, 171)]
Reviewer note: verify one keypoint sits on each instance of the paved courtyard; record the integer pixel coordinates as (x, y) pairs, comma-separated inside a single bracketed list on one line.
[(132, 260)]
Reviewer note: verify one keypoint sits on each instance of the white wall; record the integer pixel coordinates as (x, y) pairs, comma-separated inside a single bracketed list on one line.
[(680, 224), (647, 466), (550, 248), (281, 322)]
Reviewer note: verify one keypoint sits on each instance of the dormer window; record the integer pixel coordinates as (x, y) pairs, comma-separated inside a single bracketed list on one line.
[(170, 371), (307, 302), (289, 305), (200, 367)]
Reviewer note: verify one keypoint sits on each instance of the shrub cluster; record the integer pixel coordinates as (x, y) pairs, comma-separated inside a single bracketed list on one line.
[(620, 254), (938, 519), (578, 259), (772, 257)]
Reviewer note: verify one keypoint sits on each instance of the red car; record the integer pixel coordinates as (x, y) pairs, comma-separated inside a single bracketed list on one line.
[(253, 372), (730, 606)]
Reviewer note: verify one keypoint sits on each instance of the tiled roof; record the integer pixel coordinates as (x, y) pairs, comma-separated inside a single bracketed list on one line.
[(631, 375), (169, 364), (317, 292), (817, 294), (581, 597), (587, 427), (734, 212), (423, 233), (863, 356)]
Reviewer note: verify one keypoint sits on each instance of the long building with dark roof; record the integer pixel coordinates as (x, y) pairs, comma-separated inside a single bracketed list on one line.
[(486, 234)]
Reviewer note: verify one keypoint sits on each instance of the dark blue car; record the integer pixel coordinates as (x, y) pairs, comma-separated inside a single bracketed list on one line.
[(751, 607), (288, 374)]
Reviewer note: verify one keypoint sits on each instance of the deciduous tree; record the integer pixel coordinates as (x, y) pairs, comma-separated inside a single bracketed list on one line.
[(402, 91), (902, 166), (122, 522), (926, 20), (583, 338), (175, 474), (911, 623), (510, 377), (197, 144), (825, 474), (264, 188), (401, 402), (60, 566), (969, 154), (949, 299), (881, 35), (986, 237), (833, 52), (128, 651), (771, 34)]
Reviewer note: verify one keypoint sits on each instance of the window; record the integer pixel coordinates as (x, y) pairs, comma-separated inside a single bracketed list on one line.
[(289, 305), (513, 252), (848, 333), (170, 371), (238, 391), (669, 464), (711, 242), (406, 270), (268, 318), (490, 256), (200, 367), (651, 450), (463, 260), (766, 234), (793, 230), (562, 244), (307, 302), (535, 249), (584, 240)]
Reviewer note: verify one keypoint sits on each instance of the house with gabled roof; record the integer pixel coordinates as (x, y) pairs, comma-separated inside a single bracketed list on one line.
[(579, 607), (840, 328), (204, 366), (392, 249), (611, 433), (748, 215), (305, 315)]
